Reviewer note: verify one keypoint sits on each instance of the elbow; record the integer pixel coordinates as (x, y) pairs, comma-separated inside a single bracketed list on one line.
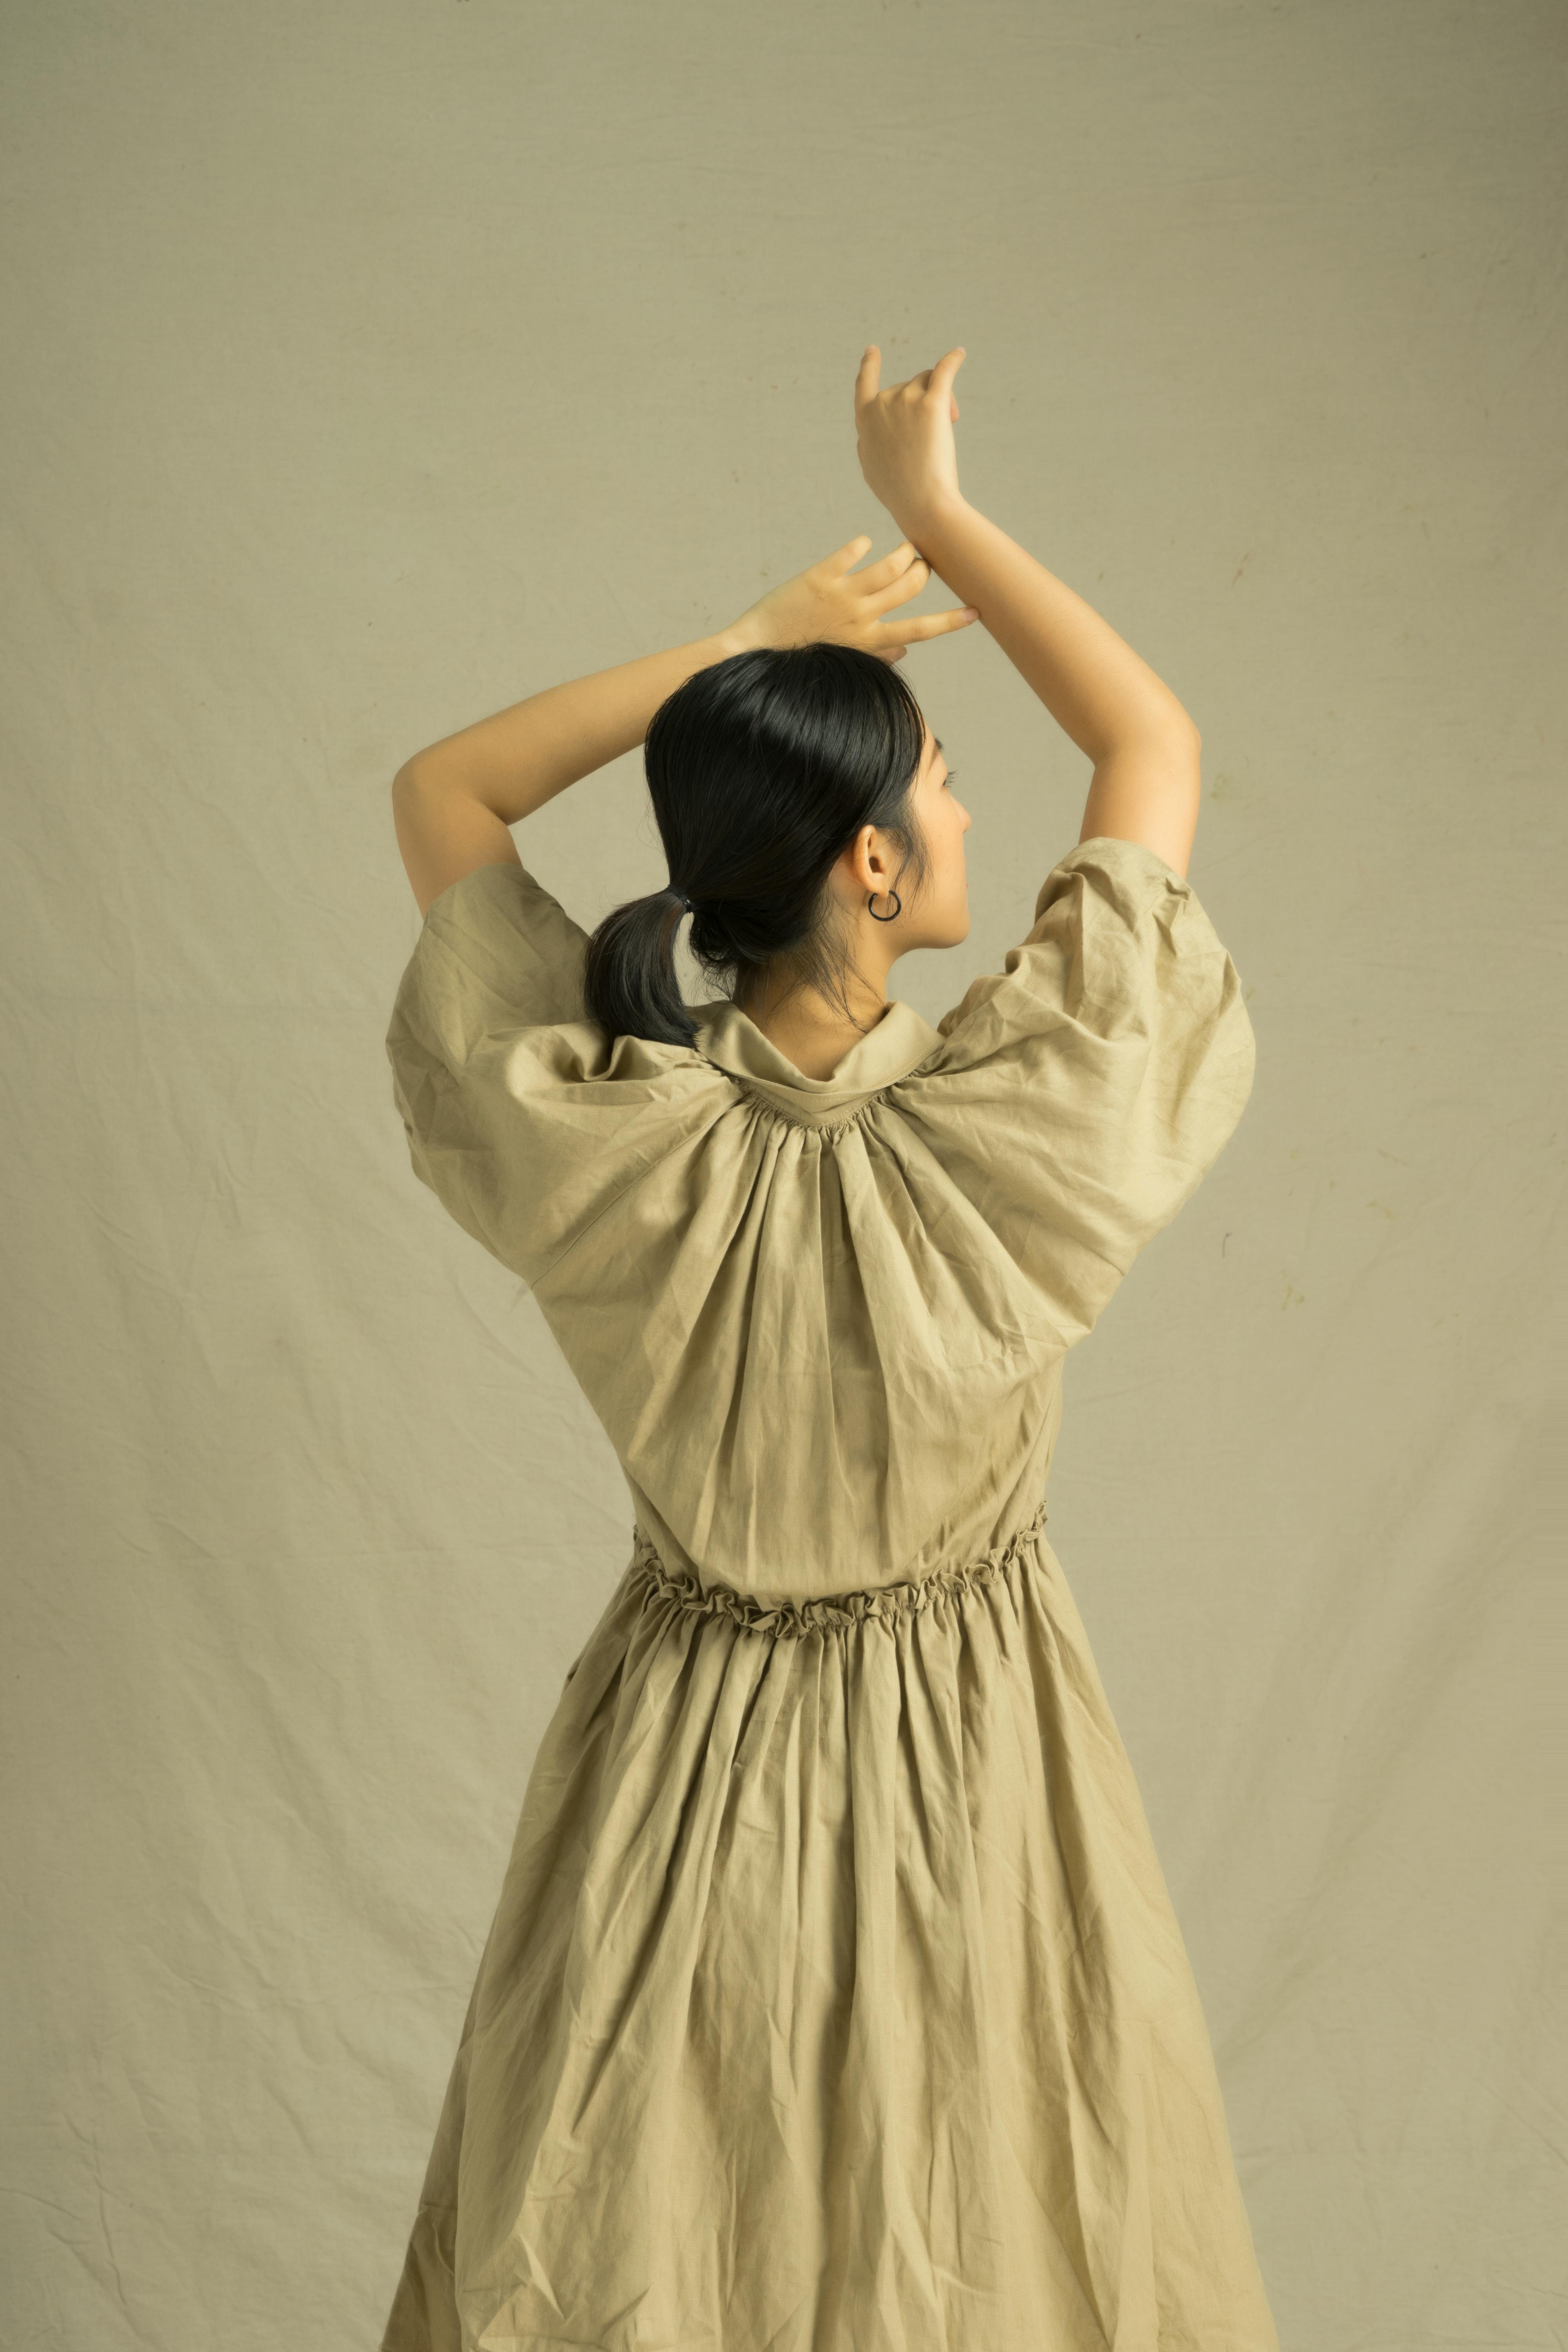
[(412, 782), (1173, 719), (1163, 728)]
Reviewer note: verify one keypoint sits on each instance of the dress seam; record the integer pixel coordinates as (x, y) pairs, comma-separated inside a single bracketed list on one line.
[(831, 1127), (792, 1620)]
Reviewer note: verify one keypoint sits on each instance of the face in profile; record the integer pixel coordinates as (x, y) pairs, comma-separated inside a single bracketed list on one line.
[(937, 916)]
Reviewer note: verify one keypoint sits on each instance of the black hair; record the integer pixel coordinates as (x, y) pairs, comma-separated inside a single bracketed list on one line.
[(762, 768)]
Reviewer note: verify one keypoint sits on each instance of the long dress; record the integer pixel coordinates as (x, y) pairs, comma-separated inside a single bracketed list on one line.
[(834, 2000)]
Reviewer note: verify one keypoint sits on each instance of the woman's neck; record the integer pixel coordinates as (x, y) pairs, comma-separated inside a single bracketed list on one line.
[(810, 1032)]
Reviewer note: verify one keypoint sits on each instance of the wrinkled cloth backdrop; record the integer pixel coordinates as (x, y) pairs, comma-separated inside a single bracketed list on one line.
[(373, 366)]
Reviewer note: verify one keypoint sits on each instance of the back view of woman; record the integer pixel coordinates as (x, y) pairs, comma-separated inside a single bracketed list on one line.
[(834, 2000)]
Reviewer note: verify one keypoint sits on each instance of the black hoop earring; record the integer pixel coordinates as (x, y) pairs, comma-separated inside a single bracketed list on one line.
[(897, 907)]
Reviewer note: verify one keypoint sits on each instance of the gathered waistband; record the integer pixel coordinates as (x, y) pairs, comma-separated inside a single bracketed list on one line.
[(792, 1618)]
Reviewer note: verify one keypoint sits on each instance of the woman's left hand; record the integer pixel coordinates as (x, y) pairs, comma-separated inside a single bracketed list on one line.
[(835, 604)]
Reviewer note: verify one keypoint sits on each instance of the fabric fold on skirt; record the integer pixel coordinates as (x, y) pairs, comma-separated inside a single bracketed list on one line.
[(834, 2002)]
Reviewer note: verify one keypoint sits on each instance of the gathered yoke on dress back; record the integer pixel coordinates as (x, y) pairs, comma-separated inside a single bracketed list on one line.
[(834, 2000), (833, 1304)]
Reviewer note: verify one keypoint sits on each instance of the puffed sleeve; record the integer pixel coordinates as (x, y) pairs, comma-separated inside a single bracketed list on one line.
[(522, 1117), (1083, 1092)]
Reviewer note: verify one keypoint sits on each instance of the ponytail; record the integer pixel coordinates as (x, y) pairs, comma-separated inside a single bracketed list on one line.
[(629, 982)]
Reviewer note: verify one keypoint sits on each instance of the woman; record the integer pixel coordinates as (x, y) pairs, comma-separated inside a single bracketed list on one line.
[(835, 2001)]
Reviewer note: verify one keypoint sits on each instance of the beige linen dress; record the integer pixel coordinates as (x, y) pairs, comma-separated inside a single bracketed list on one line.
[(834, 2000)]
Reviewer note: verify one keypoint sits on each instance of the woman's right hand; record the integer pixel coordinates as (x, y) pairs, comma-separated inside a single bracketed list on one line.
[(905, 437)]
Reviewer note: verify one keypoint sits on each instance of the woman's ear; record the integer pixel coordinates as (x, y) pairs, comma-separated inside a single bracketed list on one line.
[(864, 862)]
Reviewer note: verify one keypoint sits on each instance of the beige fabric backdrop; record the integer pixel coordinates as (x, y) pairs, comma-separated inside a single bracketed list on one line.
[(373, 366)]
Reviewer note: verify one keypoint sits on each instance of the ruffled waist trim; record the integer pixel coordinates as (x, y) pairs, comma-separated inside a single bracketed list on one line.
[(790, 1620)]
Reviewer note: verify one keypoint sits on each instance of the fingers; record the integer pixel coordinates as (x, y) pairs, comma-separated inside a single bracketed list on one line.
[(909, 581), (847, 557), (903, 558), (935, 380), (936, 625)]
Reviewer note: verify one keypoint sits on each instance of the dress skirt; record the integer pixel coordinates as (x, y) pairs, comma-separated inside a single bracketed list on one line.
[(834, 2002)]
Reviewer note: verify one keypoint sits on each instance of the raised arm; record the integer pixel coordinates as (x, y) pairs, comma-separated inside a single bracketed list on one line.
[(453, 804), (1146, 784)]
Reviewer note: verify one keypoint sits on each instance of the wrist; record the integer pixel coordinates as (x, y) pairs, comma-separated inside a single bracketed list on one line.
[(742, 636), (926, 524)]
